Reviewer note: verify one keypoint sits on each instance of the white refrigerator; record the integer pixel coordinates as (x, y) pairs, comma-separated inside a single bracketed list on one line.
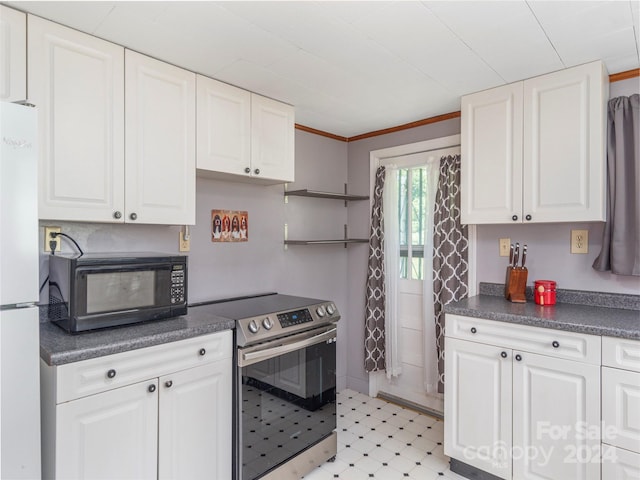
[(19, 325)]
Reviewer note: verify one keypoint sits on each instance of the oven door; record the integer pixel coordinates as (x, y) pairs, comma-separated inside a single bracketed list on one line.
[(286, 399)]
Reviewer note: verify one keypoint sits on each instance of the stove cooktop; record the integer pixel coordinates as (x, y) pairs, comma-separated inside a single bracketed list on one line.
[(269, 316)]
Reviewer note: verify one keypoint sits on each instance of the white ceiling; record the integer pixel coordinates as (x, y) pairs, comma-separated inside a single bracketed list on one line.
[(359, 66)]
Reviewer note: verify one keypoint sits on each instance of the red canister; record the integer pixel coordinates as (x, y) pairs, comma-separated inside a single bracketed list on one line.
[(544, 292)]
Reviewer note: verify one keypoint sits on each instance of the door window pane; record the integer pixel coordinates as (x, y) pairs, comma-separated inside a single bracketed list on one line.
[(412, 210)]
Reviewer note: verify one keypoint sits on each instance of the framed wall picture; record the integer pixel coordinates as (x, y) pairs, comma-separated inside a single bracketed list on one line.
[(229, 226)]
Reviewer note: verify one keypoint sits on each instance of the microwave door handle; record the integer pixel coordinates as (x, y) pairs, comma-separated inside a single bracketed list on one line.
[(250, 358)]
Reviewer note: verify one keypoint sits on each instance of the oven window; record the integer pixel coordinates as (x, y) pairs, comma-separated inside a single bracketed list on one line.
[(120, 290), (287, 405)]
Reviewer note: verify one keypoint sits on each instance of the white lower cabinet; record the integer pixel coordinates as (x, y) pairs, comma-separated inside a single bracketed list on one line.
[(515, 410), (556, 417), (175, 424), (109, 435), (195, 427), (620, 408)]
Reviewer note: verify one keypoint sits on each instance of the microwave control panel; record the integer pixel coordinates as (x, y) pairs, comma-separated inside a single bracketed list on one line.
[(177, 284)]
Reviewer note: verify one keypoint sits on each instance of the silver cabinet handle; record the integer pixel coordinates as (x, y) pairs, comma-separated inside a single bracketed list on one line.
[(256, 356), (257, 171), (133, 216), (117, 214)]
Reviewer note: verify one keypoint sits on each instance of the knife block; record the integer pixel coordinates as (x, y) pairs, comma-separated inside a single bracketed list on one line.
[(515, 284)]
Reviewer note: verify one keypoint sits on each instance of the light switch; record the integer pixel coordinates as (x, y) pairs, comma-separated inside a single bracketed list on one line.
[(504, 246)]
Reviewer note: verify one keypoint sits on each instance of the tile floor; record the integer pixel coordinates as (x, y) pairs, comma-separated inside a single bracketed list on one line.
[(381, 440)]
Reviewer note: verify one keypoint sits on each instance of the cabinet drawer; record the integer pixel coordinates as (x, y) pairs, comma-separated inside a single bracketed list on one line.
[(556, 343), (619, 464), (621, 408), (96, 375), (621, 353)]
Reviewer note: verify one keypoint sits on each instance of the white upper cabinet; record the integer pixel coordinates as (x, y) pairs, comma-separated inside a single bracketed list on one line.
[(77, 83), (491, 176), (565, 125), (224, 127), (13, 55), (272, 139), (160, 141), (534, 151), (243, 136)]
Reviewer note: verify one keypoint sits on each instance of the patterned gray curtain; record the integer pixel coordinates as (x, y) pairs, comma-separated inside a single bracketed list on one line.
[(374, 340), (622, 229), (450, 250)]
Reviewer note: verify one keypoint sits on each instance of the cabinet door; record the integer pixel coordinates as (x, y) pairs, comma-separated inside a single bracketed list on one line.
[(160, 148), (272, 139), (76, 81), (110, 435), (564, 145), (556, 418), (491, 143), (195, 423), (619, 464), (13, 55), (477, 427), (224, 127), (621, 408)]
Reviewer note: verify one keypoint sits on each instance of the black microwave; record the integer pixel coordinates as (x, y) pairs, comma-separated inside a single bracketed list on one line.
[(110, 289)]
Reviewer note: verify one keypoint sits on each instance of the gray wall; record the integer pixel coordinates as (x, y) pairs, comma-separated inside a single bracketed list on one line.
[(219, 270), (549, 254)]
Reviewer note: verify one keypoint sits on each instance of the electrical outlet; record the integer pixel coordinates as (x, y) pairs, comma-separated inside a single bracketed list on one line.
[(579, 241), (47, 238), (185, 245), (505, 247)]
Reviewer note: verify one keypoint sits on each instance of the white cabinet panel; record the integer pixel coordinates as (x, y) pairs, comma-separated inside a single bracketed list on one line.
[(272, 139), (621, 353), (534, 151), (13, 55), (90, 440), (77, 83), (492, 151), (546, 341), (224, 127), (195, 426), (160, 142), (619, 464), (551, 395), (564, 145), (621, 408), (478, 405)]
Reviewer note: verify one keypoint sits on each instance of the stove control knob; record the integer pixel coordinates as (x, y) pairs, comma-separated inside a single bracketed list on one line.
[(253, 326), (331, 309), (267, 323), (320, 311)]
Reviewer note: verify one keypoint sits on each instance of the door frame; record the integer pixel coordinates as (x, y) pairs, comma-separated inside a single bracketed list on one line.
[(375, 157)]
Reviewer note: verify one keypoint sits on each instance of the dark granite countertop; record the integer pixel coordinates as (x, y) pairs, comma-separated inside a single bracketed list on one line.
[(58, 347), (588, 317)]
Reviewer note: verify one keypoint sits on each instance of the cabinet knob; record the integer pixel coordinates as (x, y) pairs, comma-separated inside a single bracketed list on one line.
[(247, 170), (514, 218), (133, 216), (202, 351), (117, 214), (555, 344), (257, 171), (152, 388), (528, 218), (473, 330), (111, 373), (503, 354), (168, 383), (518, 357)]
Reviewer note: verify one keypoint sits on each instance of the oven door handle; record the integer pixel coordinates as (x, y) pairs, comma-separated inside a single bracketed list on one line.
[(249, 358)]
